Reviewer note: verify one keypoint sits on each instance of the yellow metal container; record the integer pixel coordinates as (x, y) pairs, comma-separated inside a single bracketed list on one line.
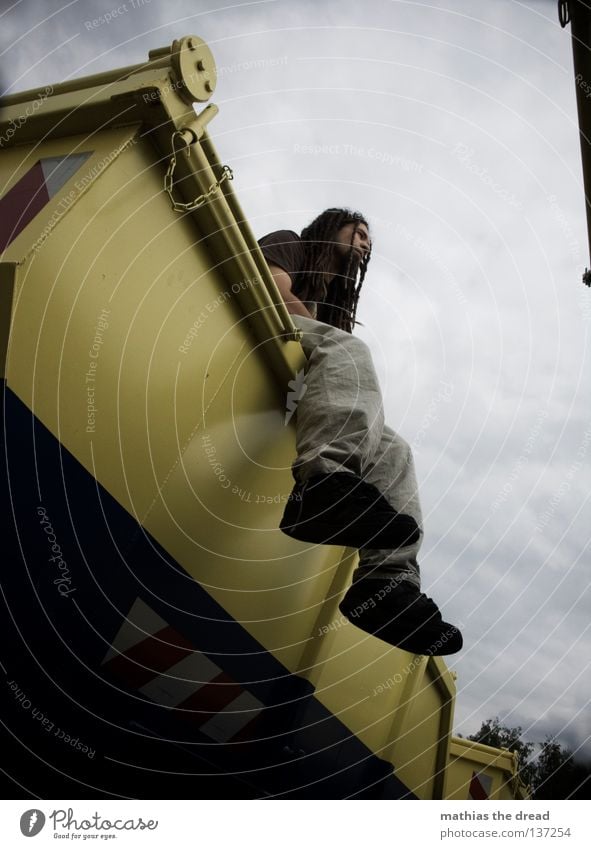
[(146, 357), (480, 772)]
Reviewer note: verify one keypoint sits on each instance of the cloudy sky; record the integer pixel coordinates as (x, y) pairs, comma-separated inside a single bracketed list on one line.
[(452, 126)]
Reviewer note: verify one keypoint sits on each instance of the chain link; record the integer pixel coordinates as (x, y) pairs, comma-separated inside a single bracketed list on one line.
[(227, 174)]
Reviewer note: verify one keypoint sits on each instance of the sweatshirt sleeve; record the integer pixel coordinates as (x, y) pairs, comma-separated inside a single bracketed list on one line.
[(285, 249)]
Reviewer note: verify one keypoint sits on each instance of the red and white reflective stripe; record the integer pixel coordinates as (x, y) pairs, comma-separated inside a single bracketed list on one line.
[(233, 721), (152, 657), (33, 191), (480, 786)]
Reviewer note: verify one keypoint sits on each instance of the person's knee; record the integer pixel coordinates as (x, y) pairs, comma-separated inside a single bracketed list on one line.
[(405, 447), (321, 333), (397, 443), (356, 348)]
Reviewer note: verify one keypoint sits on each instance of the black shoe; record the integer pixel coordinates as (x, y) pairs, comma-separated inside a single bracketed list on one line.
[(399, 614), (342, 509)]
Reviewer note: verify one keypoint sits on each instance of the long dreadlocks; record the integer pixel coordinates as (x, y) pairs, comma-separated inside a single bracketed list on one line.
[(337, 301)]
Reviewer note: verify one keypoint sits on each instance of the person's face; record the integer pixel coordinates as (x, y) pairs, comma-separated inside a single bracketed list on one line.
[(353, 235)]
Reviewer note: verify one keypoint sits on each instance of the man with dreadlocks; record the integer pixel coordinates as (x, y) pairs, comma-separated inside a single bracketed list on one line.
[(355, 480)]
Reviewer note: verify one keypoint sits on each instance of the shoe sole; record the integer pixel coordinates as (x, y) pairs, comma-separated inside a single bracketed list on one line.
[(382, 534), (445, 639), (337, 535)]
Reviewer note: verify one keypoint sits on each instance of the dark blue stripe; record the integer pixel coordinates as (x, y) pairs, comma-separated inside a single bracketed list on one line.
[(302, 751)]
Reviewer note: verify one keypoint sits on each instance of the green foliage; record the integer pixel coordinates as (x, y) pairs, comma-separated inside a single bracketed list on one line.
[(552, 773), (492, 733), (559, 775)]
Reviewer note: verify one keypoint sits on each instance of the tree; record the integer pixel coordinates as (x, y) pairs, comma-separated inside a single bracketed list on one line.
[(492, 733), (551, 774), (558, 775)]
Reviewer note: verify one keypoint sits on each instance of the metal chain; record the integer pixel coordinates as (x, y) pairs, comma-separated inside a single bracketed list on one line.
[(227, 174)]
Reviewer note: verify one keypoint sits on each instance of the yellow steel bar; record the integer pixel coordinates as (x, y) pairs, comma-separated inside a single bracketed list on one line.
[(232, 211), (237, 212), (160, 57), (94, 80), (235, 237)]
